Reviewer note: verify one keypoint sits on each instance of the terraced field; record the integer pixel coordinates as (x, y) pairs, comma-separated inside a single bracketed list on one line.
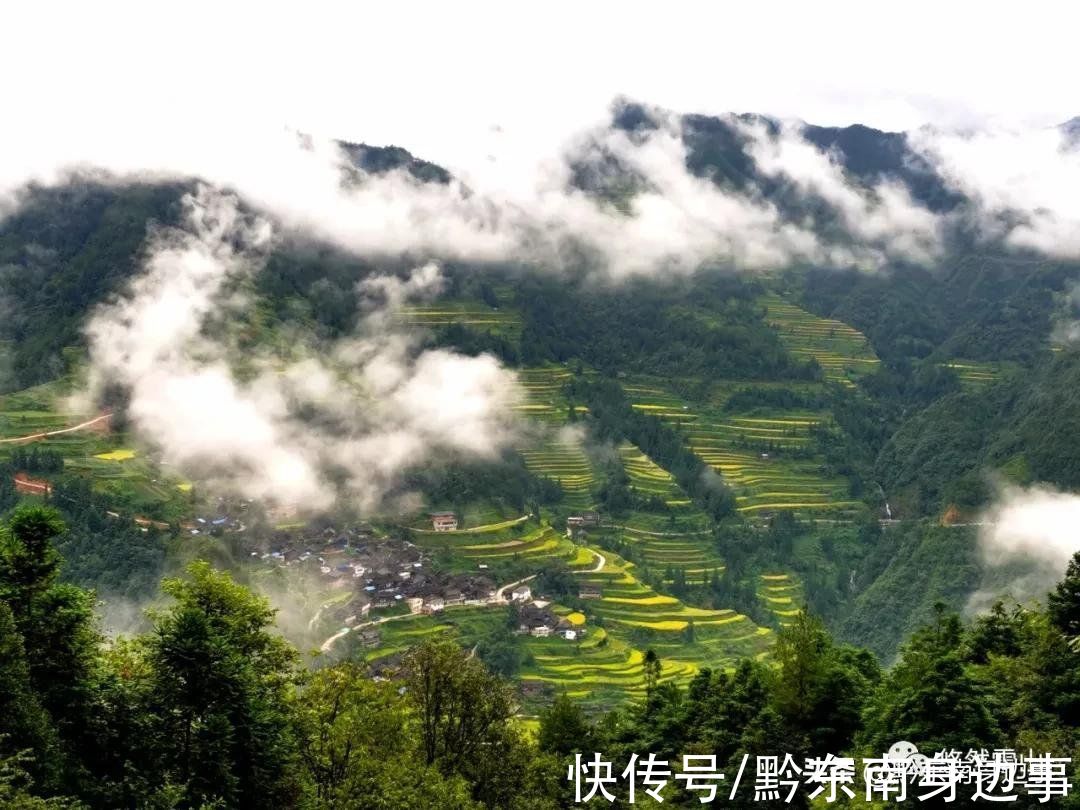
[(514, 542), (599, 670), (474, 314), (556, 450), (651, 397), (975, 374), (685, 543), (764, 484), (680, 539), (842, 350), (37, 410), (650, 479), (685, 637), (782, 595), (540, 543), (121, 454), (765, 455), (134, 477), (116, 471), (604, 666), (628, 603), (544, 399), (562, 459)]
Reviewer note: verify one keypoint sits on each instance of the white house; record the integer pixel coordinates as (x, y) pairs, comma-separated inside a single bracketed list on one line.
[(444, 521), (522, 593)]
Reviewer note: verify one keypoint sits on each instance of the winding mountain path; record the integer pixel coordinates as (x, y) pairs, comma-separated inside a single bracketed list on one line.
[(601, 561), (35, 436)]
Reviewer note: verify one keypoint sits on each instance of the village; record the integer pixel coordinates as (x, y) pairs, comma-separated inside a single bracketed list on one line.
[(391, 577)]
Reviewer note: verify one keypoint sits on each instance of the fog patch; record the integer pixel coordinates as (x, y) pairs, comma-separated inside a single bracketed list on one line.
[(1026, 539), (340, 420)]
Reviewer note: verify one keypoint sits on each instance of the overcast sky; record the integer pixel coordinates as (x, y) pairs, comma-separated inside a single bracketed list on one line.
[(455, 80)]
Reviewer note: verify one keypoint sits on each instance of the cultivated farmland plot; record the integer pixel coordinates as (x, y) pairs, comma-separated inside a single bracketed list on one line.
[(975, 374), (842, 350), (475, 315), (557, 453), (752, 452), (114, 469), (681, 540), (782, 595)]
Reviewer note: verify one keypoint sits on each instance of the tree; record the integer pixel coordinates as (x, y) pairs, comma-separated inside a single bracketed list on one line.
[(356, 744), (458, 701), (820, 689), (688, 633), (8, 496), (28, 560), (564, 728), (653, 668), (464, 713), (501, 652), (801, 652), (55, 622), (220, 693), (26, 726), (930, 697), (555, 581), (16, 789), (1063, 603)]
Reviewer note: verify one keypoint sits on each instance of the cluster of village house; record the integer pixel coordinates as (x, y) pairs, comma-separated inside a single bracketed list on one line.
[(388, 573), (534, 616), (202, 525), (432, 593)]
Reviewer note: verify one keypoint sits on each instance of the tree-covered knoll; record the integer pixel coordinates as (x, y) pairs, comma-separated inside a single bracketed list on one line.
[(503, 480)]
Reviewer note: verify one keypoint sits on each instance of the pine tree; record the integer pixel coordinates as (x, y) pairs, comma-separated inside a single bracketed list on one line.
[(220, 693), (1063, 603), (653, 668), (25, 724)]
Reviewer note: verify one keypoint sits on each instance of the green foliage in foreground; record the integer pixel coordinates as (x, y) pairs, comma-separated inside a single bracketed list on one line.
[(211, 708)]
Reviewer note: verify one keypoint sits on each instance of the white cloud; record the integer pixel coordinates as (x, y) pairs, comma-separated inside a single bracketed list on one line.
[(1036, 522), (1026, 539), (883, 218), (1025, 183), (382, 406), (677, 221)]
